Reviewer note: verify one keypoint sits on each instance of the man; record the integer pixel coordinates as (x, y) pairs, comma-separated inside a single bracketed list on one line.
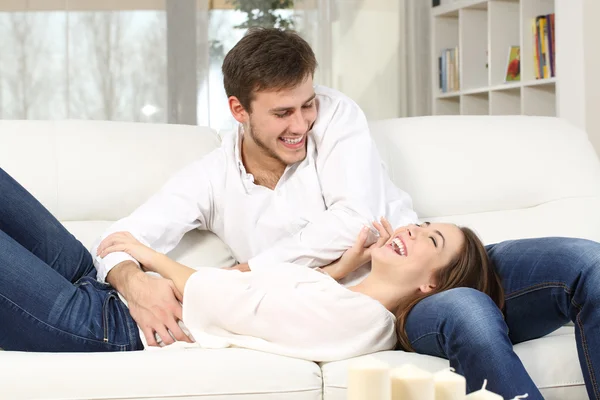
[(296, 184)]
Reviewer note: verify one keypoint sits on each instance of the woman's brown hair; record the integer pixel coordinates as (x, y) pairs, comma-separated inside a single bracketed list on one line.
[(472, 268)]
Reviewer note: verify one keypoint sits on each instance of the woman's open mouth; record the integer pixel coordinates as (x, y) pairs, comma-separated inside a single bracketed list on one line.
[(398, 246)]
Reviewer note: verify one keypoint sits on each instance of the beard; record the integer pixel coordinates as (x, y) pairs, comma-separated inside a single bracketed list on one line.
[(269, 152)]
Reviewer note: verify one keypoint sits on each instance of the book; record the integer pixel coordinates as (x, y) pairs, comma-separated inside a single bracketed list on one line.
[(513, 65)]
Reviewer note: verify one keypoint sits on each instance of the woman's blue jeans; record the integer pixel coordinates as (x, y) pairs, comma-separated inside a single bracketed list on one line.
[(49, 297)]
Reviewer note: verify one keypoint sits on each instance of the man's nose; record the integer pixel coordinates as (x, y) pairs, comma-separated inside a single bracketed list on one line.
[(298, 124)]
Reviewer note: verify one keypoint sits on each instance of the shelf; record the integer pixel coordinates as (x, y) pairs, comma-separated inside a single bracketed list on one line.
[(504, 86), (448, 95), (540, 82), (483, 31), (451, 10)]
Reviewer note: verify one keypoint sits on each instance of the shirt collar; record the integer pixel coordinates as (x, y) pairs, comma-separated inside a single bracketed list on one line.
[(237, 148)]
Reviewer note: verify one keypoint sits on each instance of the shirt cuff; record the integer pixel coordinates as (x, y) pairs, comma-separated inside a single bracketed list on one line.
[(104, 265)]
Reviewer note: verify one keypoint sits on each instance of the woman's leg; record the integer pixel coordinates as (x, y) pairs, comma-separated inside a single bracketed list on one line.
[(31, 225), (40, 310), (551, 281), (464, 326)]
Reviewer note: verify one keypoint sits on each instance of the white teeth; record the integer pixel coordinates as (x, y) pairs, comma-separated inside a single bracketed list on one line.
[(292, 141), (400, 246)]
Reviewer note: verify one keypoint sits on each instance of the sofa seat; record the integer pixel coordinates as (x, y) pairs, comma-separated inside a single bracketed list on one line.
[(176, 374)]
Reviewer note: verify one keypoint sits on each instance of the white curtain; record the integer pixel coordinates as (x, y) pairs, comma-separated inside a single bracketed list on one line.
[(415, 69), (375, 51)]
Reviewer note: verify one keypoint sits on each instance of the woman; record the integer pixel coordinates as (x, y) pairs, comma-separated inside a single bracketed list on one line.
[(286, 309)]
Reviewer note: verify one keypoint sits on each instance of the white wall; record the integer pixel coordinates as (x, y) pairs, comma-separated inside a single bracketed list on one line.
[(366, 45), (592, 71)]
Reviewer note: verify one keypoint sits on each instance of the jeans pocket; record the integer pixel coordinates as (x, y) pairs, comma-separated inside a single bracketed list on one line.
[(109, 309)]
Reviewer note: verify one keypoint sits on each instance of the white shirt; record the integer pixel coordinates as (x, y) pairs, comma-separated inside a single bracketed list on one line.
[(311, 217), (285, 309)]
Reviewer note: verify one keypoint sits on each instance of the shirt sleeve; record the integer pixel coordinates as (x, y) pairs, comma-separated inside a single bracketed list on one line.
[(311, 320), (355, 186), (182, 204)]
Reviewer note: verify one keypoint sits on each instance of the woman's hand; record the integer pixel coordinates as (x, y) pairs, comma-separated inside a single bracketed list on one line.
[(125, 242), (358, 255)]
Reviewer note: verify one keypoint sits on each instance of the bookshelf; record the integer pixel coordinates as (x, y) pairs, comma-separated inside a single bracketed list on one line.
[(483, 32)]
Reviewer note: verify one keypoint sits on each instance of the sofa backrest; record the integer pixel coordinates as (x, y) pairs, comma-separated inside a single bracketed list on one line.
[(508, 176), (97, 170)]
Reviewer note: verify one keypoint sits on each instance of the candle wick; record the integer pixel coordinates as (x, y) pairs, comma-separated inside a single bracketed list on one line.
[(484, 384), (452, 369)]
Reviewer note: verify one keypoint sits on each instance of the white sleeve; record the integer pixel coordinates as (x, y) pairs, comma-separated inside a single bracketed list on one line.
[(182, 204), (304, 321), (355, 187)]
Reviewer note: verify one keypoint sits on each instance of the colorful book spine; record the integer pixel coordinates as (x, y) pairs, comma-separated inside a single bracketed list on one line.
[(544, 49)]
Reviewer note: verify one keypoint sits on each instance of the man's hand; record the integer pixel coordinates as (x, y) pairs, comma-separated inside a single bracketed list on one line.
[(154, 303), (240, 267)]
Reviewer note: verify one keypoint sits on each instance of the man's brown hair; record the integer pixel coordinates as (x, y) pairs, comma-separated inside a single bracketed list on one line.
[(266, 59)]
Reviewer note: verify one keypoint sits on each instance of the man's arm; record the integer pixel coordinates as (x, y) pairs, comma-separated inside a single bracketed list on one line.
[(355, 186), (183, 203)]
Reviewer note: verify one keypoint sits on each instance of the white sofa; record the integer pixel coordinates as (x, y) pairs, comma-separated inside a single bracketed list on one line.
[(506, 177)]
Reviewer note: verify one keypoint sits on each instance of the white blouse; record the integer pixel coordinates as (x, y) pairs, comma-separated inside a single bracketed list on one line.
[(285, 309)]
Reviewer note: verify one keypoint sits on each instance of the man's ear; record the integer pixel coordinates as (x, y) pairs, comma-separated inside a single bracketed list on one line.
[(237, 110)]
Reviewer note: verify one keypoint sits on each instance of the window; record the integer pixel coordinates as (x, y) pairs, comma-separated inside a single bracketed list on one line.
[(129, 60)]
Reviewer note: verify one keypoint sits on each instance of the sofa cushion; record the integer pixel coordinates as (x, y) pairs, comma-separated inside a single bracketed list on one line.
[(545, 360), (159, 374)]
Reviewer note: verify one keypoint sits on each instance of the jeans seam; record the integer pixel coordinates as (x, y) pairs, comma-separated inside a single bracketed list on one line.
[(427, 334), (53, 327), (584, 346), (539, 286)]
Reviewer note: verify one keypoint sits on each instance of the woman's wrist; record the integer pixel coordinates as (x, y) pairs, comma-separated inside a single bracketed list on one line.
[(334, 270), (156, 262)]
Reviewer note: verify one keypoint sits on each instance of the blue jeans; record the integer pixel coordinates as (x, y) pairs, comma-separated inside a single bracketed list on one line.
[(548, 282), (49, 297)]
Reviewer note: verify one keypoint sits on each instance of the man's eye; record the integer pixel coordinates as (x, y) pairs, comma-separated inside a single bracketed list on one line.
[(281, 115), (308, 105)]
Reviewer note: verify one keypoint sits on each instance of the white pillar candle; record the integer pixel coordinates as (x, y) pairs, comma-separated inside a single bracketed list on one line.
[(412, 383), (449, 385), (484, 394), (368, 379)]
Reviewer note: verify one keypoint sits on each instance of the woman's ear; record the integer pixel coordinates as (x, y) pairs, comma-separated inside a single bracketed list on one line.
[(427, 287)]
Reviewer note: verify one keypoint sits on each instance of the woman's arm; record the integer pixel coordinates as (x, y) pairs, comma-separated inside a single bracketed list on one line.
[(169, 269)]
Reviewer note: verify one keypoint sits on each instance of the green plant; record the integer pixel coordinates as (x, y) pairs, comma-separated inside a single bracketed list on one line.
[(263, 13)]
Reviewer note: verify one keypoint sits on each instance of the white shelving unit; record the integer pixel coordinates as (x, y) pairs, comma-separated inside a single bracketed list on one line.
[(483, 31)]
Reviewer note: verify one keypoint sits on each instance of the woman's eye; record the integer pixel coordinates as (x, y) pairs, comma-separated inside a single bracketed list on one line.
[(433, 240)]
